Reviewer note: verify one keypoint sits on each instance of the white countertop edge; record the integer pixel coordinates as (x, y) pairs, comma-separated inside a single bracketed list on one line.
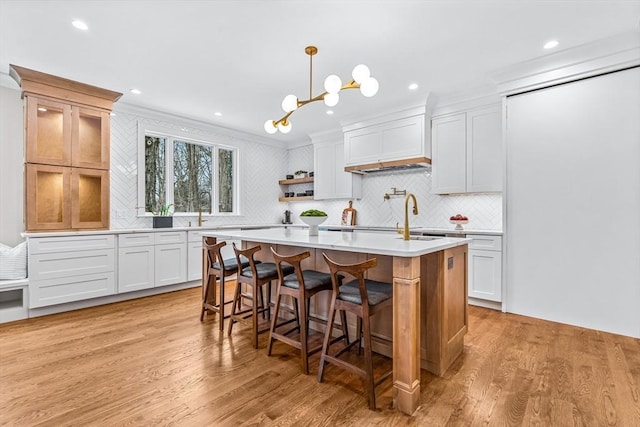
[(362, 242), (359, 228), (32, 234)]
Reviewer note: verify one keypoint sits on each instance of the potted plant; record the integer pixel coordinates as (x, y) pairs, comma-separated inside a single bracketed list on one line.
[(162, 218), (300, 174)]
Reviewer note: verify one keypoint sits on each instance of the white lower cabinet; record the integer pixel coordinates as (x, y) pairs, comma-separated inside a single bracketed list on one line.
[(171, 264), (485, 267), (147, 260), (70, 268), (135, 261)]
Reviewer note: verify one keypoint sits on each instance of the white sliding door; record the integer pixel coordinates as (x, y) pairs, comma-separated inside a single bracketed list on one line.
[(573, 203)]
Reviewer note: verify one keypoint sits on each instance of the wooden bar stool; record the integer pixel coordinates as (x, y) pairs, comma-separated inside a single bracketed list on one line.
[(217, 267), (364, 298), (300, 285), (256, 274)]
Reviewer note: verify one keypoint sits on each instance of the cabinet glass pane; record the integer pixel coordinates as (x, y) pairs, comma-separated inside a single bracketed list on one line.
[(90, 194), (49, 197), (225, 180), (50, 143), (90, 138)]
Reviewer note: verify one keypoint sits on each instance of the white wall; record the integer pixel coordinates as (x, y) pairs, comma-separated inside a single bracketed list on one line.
[(484, 210), (261, 166), (11, 166), (573, 203)]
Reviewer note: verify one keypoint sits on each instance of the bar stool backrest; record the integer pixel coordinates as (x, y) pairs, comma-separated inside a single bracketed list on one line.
[(213, 252), (355, 270), (247, 253)]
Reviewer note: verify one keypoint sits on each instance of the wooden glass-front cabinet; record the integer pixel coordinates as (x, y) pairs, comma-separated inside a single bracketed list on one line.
[(63, 198), (67, 143)]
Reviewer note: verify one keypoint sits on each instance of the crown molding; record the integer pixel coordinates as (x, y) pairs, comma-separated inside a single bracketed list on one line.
[(598, 57)]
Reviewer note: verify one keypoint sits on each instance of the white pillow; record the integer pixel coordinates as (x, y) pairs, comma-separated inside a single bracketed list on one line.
[(13, 262)]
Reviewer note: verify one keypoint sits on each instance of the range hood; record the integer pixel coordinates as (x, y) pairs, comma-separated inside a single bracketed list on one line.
[(415, 163)]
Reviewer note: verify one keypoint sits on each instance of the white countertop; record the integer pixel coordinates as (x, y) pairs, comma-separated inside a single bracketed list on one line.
[(362, 242), (358, 228)]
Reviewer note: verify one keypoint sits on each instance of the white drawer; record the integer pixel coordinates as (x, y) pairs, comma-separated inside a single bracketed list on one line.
[(57, 291), (162, 238), (42, 245), (69, 264), (196, 235), (136, 239), (485, 242)]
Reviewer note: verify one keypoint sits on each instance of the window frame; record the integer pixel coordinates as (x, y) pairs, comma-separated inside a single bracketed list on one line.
[(172, 135)]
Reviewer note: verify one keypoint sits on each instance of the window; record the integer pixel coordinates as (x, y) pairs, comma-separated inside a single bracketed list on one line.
[(192, 176)]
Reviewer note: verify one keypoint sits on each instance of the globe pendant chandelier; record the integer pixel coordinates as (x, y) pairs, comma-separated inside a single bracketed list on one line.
[(332, 85)]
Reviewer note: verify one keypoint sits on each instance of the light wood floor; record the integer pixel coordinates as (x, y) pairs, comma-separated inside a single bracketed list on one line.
[(151, 362)]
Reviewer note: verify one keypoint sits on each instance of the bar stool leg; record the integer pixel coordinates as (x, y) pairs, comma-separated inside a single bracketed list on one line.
[(236, 300), (327, 338), (254, 319), (304, 329), (274, 321), (370, 383), (221, 304)]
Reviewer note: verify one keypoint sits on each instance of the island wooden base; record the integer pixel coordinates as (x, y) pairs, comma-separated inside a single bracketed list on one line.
[(429, 317)]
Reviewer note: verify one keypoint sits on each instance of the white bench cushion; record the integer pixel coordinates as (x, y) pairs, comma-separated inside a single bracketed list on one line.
[(13, 262)]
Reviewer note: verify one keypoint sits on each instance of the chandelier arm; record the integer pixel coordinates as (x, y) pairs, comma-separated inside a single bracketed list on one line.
[(284, 120)]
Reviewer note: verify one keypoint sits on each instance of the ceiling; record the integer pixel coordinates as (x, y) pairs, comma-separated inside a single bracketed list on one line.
[(194, 58)]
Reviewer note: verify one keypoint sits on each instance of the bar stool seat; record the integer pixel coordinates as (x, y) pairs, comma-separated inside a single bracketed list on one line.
[(364, 298), (256, 274), (377, 292), (217, 268), (312, 280), (301, 285)]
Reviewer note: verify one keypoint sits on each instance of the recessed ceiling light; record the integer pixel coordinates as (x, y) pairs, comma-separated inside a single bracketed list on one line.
[(217, 114), (551, 44), (413, 86), (329, 112), (42, 109), (136, 91), (80, 25)]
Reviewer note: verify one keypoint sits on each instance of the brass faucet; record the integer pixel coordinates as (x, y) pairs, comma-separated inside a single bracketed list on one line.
[(200, 220), (405, 231)]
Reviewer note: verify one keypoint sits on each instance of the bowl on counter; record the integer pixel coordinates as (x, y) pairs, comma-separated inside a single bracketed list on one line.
[(459, 223), (313, 222)]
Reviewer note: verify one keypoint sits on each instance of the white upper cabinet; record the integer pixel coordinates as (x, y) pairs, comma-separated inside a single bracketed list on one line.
[(467, 151), (396, 137), (449, 139), (330, 179)]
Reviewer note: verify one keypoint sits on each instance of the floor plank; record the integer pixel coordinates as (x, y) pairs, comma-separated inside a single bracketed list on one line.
[(151, 361)]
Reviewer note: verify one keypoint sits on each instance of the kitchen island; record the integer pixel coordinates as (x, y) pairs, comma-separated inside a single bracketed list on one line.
[(429, 275)]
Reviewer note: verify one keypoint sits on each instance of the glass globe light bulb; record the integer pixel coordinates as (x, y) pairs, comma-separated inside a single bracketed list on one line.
[(289, 103), (269, 127), (331, 99), (360, 73), (332, 84), (284, 128), (369, 87)]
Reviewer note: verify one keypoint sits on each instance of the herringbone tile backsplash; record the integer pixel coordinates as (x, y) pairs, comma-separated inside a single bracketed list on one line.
[(261, 166)]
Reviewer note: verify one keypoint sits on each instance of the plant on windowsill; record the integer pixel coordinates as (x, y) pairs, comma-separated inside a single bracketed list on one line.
[(163, 217)]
